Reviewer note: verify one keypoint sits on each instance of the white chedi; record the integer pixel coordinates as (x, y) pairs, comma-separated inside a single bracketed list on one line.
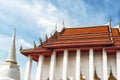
[(9, 70)]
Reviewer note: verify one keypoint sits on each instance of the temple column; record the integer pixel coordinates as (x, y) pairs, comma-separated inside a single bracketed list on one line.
[(104, 65), (65, 62), (52, 66), (39, 67), (28, 68), (118, 64), (78, 64), (91, 70)]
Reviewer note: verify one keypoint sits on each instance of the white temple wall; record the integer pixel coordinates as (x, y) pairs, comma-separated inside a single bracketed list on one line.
[(7, 73), (71, 65), (46, 67), (98, 63), (111, 58), (85, 64), (59, 64)]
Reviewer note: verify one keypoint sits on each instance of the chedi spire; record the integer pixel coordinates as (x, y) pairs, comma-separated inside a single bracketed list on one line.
[(10, 70), (12, 54)]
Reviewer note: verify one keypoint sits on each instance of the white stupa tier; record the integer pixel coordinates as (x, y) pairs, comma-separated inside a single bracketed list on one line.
[(9, 70)]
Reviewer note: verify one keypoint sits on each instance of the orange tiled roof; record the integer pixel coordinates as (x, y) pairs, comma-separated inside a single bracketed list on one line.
[(96, 36), (85, 30), (88, 36)]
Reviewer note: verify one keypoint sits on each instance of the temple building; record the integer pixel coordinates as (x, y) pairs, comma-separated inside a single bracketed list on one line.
[(9, 70), (81, 53)]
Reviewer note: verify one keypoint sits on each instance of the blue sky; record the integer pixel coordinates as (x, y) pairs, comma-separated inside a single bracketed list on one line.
[(35, 18)]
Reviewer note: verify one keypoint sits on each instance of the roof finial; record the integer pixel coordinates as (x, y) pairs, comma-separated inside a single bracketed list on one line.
[(34, 44), (40, 41), (82, 77), (111, 77), (119, 24), (119, 27), (46, 37), (56, 28), (21, 48), (12, 55), (110, 20), (50, 34), (110, 69), (63, 24), (110, 23), (95, 69), (95, 75)]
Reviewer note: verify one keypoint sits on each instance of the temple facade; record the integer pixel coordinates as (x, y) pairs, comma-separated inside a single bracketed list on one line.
[(82, 53)]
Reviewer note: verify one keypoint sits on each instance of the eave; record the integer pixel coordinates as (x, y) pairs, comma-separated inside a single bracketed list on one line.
[(69, 45)]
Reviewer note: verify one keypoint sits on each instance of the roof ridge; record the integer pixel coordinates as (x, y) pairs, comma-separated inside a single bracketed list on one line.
[(87, 27)]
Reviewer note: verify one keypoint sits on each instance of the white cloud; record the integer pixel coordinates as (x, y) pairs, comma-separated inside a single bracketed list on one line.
[(36, 15), (21, 42), (31, 14), (41, 17), (50, 16), (4, 42)]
